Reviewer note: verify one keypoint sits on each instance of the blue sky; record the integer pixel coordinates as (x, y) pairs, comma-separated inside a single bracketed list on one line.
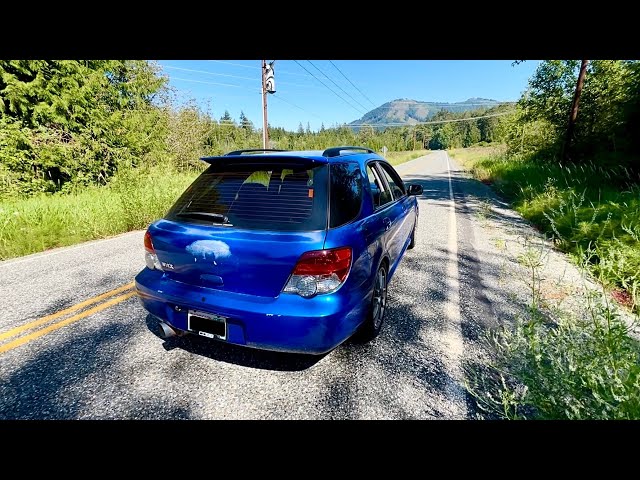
[(234, 85)]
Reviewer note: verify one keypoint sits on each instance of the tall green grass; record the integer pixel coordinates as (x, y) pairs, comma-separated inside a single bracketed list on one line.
[(133, 200), (396, 158), (576, 365), (586, 209)]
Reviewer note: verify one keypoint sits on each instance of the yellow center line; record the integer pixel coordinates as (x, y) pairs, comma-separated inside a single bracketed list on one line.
[(53, 316), (22, 340)]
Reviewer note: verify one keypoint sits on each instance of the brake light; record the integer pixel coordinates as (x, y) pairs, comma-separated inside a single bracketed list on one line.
[(150, 257), (319, 271), (148, 244)]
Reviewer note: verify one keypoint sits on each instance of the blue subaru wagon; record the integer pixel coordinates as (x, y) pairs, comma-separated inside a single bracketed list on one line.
[(280, 250)]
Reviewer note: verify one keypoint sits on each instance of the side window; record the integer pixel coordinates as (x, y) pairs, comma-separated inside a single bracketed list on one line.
[(393, 179), (346, 193), (379, 190)]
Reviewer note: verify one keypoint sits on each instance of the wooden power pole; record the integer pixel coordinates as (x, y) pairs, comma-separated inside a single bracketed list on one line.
[(574, 110), (265, 131)]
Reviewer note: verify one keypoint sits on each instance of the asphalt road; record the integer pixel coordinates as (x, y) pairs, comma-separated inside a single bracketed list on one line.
[(105, 360)]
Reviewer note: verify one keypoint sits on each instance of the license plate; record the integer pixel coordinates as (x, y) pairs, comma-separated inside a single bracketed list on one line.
[(207, 324)]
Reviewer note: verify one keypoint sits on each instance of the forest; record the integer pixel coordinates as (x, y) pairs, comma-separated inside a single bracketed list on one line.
[(93, 148), (66, 125), (580, 187)]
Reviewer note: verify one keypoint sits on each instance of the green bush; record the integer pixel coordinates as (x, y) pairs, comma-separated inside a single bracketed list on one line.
[(135, 198)]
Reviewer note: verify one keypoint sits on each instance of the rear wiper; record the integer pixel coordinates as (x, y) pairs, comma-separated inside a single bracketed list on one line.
[(214, 217)]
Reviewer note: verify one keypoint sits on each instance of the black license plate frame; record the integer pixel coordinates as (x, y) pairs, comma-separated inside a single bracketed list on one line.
[(207, 324)]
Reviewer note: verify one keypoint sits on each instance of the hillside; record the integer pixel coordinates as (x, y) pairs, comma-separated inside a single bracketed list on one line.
[(407, 111)]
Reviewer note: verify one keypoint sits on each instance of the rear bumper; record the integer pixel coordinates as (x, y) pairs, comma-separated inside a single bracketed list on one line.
[(287, 323)]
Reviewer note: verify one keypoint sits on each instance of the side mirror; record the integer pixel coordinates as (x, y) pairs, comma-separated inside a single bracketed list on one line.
[(414, 189)]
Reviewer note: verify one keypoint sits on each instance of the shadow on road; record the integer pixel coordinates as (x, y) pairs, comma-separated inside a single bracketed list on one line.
[(60, 380), (229, 353)]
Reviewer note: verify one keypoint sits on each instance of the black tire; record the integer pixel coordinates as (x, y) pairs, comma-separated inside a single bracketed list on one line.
[(373, 323), (412, 243)]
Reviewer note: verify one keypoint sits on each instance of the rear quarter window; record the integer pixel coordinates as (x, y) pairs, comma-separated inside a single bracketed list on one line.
[(346, 193), (264, 196)]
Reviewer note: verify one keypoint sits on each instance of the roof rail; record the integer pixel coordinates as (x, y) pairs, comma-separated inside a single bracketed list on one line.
[(240, 152), (337, 151)]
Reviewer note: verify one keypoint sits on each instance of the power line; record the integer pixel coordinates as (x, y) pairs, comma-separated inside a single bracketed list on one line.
[(361, 93), (329, 88), (331, 80), (398, 124), (209, 73), (206, 72), (300, 108), (236, 64), (210, 83), (454, 104), (258, 68)]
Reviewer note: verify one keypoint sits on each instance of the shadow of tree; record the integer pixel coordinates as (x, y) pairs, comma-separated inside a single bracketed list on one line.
[(239, 355), (49, 385)]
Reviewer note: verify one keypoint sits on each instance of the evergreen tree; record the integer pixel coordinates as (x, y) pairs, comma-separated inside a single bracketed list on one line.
[(75, 120), (245, 123), (226, 118)]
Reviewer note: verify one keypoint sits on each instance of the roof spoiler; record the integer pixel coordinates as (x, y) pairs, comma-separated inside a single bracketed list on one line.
[(256, 159), (337, 151), (253, 150)]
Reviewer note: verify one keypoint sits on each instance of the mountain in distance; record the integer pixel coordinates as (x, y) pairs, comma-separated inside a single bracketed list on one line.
[(407, 111)]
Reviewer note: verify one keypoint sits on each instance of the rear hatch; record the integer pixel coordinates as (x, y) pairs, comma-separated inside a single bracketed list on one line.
[(243, 224)]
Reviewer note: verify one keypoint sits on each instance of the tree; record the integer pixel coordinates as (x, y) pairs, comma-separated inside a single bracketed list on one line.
[(300, 129), (471, 133), (573, 115), (76, 120), (443, 138), (226, 118), (610, 88), (245, 123)]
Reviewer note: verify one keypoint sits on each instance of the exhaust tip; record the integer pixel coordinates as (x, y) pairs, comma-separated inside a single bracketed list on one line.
[(166, 331)]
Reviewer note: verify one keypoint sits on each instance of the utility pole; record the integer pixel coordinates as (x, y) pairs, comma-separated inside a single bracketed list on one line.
[(268, 86), (265, 131), (574, 109)]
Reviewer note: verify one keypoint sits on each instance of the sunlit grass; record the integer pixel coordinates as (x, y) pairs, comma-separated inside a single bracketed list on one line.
[(578, 367), (132, 201), (468, 156), (585, 208), (396, 158)]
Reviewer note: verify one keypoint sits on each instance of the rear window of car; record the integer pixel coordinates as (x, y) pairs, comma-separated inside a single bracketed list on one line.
[(284, 195), (346, 193)]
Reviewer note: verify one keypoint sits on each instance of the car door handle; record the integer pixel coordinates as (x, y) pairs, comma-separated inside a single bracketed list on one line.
[(386, 222)]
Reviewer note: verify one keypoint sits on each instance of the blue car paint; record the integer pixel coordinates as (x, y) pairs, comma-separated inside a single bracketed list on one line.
[(211, 273), (271, 255)]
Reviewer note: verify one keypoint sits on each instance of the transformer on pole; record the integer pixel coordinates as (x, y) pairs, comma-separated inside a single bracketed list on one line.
[(268, 86)]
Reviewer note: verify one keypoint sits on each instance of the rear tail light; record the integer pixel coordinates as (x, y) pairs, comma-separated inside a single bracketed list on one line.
[(150, 257), (319, 271)]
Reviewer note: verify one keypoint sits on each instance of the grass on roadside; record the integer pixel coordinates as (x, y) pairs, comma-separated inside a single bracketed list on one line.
[(586, 209), (576, 367), (396, 158), (468, 156), (134, 199)]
